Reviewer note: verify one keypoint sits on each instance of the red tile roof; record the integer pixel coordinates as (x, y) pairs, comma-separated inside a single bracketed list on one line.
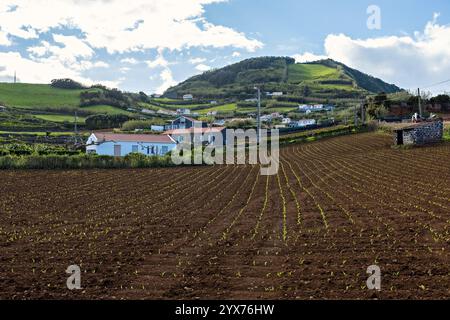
[(151, 138), (197, 130)]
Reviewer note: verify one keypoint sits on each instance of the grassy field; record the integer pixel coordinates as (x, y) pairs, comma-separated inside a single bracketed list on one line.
[(224, 109), (304, 72), (37, 133), (37, 96), (106, 110), (60, 118), (281, 109)]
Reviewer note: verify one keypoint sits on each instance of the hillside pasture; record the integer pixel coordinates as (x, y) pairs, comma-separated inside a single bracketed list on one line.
[(60, 118), (38, 96), (104, 109), (304, 72)]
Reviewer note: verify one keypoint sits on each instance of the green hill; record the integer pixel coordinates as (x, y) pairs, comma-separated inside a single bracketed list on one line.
[(26, 96), (325, 79), (42, 107)]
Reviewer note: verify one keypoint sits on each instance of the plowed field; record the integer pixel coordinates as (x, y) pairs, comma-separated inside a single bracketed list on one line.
[(336, 207)]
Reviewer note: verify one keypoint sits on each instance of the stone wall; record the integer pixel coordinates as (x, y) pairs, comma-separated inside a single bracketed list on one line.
[(426, 132), (429, 132)]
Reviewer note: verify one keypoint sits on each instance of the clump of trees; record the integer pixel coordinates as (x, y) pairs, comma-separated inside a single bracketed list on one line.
[(104, 121), (66, 84), (378, 106), (132, 125), (443, 100), (37, 149), (241, 124), (109, 97)]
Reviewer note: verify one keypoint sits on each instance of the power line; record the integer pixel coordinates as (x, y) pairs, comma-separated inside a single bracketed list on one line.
[(436, 84)]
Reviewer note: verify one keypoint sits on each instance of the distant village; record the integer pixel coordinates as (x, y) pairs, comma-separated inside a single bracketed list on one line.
[(165, 138)]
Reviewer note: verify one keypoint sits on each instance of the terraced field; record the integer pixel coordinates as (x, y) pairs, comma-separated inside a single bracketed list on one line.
[(336, 207)]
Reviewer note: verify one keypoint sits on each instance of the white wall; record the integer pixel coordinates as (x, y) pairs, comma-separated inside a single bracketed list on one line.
[(107, 148)]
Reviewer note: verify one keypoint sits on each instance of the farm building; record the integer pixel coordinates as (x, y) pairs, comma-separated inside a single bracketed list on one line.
[(419, 133), (185, 112), (119, 145), (199, 135), (302, 123), (184, 122), (188, 97)]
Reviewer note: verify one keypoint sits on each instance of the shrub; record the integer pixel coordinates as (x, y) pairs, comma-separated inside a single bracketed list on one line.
[(66, 84), (141, 124), (103, 121)]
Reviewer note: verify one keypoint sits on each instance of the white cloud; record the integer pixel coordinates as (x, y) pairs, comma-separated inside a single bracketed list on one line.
[(129, 61), (100, 64), (4, 41), (69, 50), (124, 69), (197, 60), (308, 57), (167, 81), (113, 25), (120, 27), (77, 47), (160, 61), (45, 69), (408, 61), (203, 67), (236, 54)]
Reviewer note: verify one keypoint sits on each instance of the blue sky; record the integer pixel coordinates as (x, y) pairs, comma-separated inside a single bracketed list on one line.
[(149, 45)]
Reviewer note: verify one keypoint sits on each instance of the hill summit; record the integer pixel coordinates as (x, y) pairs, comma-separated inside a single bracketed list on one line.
[(324, 79)]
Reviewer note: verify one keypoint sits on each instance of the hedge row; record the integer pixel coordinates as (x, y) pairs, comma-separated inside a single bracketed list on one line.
[(323, 133), (83, 162)]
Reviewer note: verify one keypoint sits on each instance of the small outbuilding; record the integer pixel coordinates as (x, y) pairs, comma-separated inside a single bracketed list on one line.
[(420, 133)]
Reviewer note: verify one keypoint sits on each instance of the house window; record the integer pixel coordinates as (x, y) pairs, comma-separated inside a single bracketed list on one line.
[(135, 149)]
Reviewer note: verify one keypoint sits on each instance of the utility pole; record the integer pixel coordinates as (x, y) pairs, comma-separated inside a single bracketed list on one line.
[(259, 115), (15, 77), (420, 103), (363, 113), (356, 116), (76, 127)]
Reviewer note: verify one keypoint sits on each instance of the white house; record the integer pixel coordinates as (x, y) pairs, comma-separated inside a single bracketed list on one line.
[(198, 135), (188, 97), (148, 111), (315, 108), (185, 112), (286, 121), (274, 94), (2, 108), (120, 145), (302, 123), (158, 128)]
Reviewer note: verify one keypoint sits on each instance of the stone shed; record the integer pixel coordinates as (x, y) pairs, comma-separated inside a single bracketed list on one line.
[(419, 133)]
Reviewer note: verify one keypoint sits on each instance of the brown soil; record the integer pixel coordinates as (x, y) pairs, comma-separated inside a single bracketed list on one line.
[(336, 207)]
